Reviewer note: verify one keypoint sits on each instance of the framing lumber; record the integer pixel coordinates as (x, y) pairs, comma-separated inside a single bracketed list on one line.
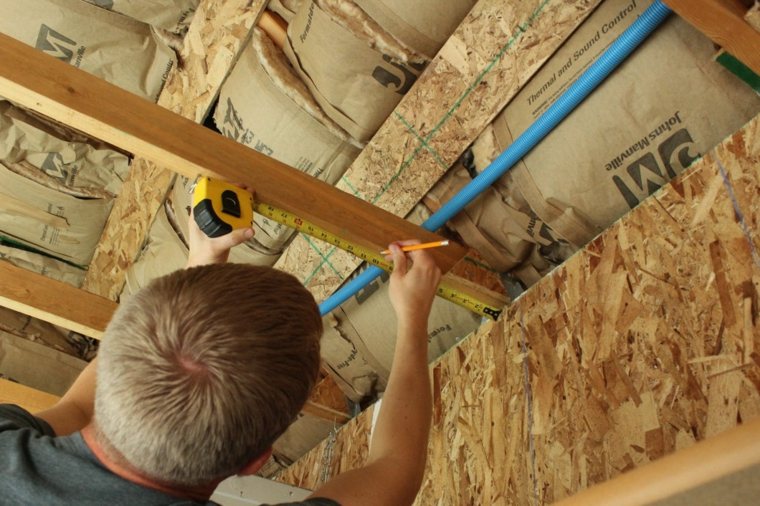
[(723, 22), (68, 95), (28, 398), (75, 309), (495, 50), (54, 301), (709, 463), (636, 347), (213, 42)]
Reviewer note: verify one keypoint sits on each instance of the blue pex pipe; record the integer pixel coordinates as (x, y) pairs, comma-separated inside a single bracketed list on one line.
[(616, 54)]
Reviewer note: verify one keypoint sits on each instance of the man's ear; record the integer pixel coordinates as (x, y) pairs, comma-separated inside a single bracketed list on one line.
[(256, 463)]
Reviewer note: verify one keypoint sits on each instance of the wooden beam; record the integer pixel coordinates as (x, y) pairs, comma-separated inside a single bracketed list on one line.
[(68, 95), (723, 22), (28, 398), (54, 301), (494, 52), (637, 346), (707, 463), (219, 30), (78, 310)]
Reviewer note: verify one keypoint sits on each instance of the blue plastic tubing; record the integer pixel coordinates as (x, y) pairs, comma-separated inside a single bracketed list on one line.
[(565, 104)]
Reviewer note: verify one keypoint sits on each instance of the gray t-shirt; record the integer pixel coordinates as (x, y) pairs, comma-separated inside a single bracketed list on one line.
[(36, 467)]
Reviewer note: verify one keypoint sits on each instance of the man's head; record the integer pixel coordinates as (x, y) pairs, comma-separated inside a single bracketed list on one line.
[(203, 369)]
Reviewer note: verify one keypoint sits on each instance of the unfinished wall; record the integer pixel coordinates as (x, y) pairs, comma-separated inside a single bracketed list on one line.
[(640, 344)]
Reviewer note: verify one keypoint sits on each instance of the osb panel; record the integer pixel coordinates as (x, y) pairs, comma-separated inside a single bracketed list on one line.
[(328, 401), (339, 452), (640, 344), (210, 48), (473, 268), (495, 50)]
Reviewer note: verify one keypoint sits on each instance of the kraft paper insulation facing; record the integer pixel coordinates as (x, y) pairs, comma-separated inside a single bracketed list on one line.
[(637, 346), (476, 73)]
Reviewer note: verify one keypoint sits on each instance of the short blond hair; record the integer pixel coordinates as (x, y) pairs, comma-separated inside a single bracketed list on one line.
[(201, 370)]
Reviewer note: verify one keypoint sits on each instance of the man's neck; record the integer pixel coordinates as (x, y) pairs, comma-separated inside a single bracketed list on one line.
[(119, 466)]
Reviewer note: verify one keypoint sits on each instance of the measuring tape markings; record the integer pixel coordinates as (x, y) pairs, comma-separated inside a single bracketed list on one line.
[(454, 294)]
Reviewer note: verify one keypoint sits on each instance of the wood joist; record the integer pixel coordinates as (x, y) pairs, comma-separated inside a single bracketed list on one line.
[(639, 345), (724, 22), (68, 95)]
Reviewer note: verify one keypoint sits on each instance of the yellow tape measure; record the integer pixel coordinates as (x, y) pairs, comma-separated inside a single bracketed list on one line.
[(460, 295), (220, 207)]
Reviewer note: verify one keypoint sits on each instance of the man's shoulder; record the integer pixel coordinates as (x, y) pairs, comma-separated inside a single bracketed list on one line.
[(13, 417)]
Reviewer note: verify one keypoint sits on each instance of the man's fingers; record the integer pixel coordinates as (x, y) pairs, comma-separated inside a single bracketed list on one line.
[(399, 259), (235, 237)]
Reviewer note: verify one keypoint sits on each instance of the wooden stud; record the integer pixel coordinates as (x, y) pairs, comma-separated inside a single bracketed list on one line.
[(723, 22), (68, 95), (28, 398), (54, 301)]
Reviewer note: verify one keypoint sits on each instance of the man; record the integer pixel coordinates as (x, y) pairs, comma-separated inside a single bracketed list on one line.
[(197, 376)]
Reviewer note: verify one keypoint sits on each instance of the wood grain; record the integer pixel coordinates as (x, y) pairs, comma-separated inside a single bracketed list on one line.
[(28, 398), (723, 22), (54, 301), (68, 95), (707, 463)]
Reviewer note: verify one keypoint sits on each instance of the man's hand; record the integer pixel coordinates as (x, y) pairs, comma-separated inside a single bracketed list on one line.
[(207, 250), (413, 283)]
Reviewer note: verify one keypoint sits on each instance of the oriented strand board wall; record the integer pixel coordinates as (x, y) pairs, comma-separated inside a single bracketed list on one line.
[(640, 344)]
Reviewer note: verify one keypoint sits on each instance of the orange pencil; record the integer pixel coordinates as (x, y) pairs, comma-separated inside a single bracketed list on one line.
[(414, 247)]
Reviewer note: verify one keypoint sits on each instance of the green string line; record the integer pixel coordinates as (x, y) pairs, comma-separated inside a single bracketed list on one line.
[(351, 187), (325, 259), (424, 143)]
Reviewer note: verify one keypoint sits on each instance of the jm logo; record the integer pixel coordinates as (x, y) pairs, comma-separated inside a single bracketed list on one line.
[(646, 175), (54, 167), (400, 77), (55, 44)]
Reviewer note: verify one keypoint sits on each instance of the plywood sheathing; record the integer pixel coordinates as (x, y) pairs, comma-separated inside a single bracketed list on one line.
[(212, 44), (346, 449), (639, 345), (495, 50)]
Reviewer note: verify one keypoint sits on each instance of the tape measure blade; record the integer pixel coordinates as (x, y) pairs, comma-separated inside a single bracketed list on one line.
[(473, 296), (452, 288)]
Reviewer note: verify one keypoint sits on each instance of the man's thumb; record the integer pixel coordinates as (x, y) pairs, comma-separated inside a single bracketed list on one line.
[(238, 236)]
